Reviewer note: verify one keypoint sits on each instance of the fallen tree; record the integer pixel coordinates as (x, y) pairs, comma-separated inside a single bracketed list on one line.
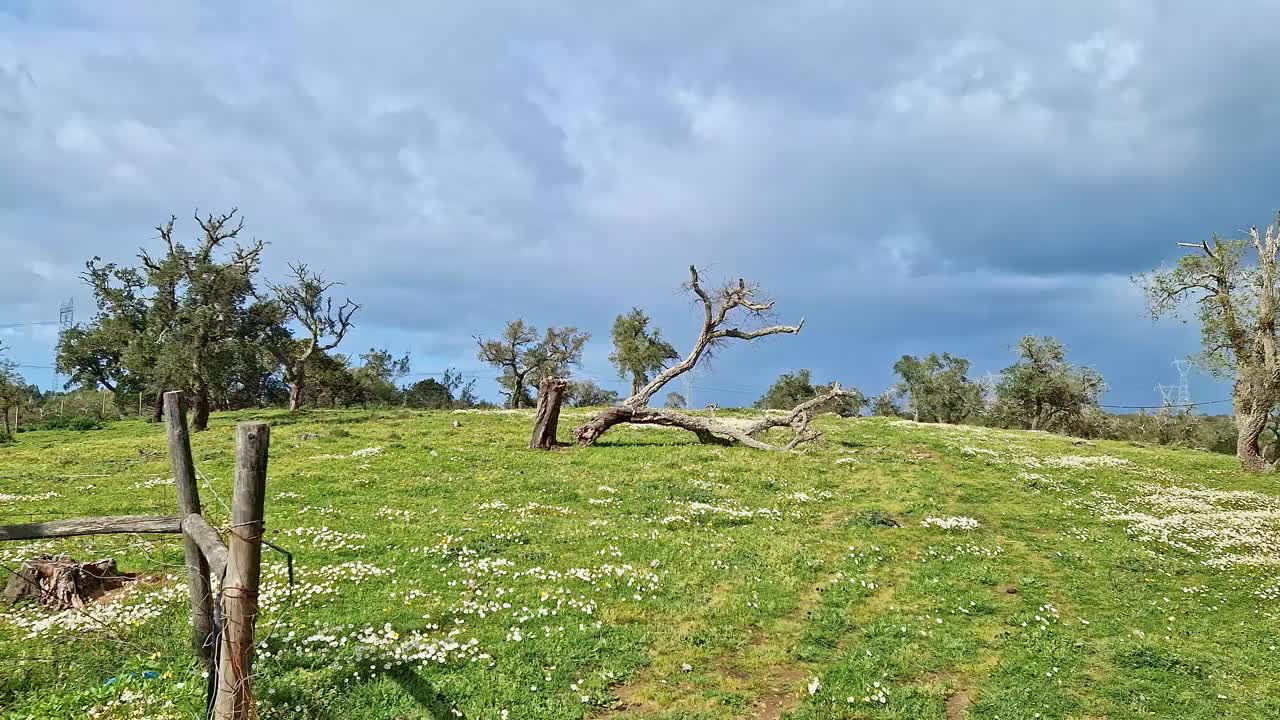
[(722, 310)]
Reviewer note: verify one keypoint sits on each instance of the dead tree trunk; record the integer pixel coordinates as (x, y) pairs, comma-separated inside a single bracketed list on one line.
[(547, 418), (717, 326)]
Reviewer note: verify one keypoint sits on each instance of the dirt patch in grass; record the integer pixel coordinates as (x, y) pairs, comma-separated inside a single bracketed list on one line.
[(957, 704)]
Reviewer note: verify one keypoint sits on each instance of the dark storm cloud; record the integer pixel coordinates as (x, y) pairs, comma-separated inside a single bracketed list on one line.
[(911, 177)]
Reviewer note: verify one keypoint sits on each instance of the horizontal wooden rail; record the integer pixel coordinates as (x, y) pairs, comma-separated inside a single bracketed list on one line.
[(199, 530), (93, 526)]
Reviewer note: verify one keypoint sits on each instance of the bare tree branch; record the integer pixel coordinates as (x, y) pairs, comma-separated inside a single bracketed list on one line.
[(719, 307), (715, 314)]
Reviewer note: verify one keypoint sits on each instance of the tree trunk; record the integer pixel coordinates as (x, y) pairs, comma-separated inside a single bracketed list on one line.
[(709, 430), (600, 423), (157, 410), (200, 421), (295, 393), (545, 421), (517, 393), (1249, 427)]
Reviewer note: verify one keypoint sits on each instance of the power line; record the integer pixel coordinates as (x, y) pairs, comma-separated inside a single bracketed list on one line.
[(28, 324), (1160, 407)]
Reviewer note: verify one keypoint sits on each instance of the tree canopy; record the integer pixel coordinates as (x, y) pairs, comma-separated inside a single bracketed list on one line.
[(525, 358), (188, 318), (639, 351), (307, 303), (1042, 391), (791, 389), (13, 391), (448, 391), (586, 393), (937, 388)]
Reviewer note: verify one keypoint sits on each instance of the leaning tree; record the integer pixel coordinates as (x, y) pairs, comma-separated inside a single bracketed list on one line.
[(724, 311), (307, 302), (1234, 285)]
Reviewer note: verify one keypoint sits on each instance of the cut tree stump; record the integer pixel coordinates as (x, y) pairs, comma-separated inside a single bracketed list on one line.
[(547, 418), (59, 582)]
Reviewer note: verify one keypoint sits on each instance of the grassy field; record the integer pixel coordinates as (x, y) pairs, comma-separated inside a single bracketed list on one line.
[(445, 571)]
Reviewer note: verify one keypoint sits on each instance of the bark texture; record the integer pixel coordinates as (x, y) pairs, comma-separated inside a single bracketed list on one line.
[(546, 420), (58, 582)]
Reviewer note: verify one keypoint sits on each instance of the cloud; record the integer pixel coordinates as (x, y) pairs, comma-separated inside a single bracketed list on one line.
[(905, 177)]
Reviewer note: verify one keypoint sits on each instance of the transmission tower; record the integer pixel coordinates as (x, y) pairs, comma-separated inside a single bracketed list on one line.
[(66, 320), (1184, 381)]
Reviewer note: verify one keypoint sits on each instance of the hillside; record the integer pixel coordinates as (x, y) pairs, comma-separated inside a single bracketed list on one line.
[(446, 572)]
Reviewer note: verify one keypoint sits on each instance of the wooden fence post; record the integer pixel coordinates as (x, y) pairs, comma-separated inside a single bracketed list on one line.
[(234, 699), (184, 478)]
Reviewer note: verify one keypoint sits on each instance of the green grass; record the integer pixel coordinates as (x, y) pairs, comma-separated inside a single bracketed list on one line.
[(653, 577)]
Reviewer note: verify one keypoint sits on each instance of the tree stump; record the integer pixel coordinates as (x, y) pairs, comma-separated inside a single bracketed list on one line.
[(551, 393), (59, 582)]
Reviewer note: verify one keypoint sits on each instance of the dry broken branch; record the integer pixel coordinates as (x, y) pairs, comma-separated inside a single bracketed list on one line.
[(712, 431)]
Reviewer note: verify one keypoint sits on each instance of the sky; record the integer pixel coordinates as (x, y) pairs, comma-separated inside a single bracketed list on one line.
[(908, 177)]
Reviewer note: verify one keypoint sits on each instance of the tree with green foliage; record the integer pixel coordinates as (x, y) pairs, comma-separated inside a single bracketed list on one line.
[(118, 349), (306, 302), (13, 390), (675, 401), (450, 390), (585, 393), (639, 351), (937, 388), (428, 394), (886, 405), (180, 320), (1233, 283), (791, 389), (331, 380), (379, 375), (1042, 391), (463, 390), (525, 358)]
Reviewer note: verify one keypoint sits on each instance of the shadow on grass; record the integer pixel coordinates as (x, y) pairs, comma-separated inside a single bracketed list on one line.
[(434, 702), (645, 442)]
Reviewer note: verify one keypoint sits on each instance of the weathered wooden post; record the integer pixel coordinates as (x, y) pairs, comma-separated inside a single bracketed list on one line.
[(547, 418), (184, 478), (234, 699)]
